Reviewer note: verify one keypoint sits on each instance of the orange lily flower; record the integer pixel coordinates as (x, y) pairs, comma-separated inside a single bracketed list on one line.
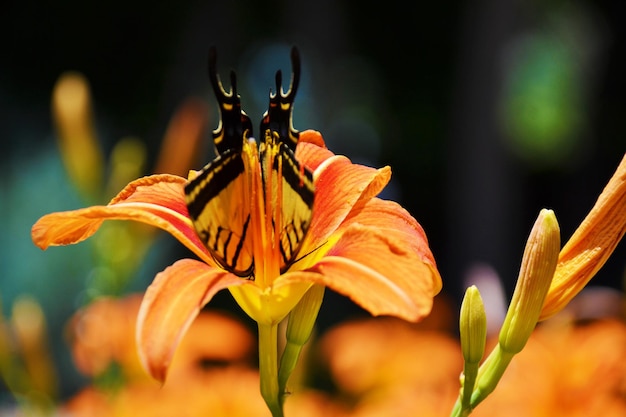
[(591, 244), (368, 249)]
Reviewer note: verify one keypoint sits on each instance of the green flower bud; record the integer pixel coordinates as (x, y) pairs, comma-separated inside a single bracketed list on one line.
[(473, 330), (299, 328), (536, 273), (473, 326)]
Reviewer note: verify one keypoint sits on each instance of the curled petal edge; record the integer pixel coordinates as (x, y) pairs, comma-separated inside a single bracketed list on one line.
[(340, 188), (157, 200), (171, 303), (392, 219)]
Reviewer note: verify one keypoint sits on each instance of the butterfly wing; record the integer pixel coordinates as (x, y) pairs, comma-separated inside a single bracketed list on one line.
[(292, 189), (218, 198), (288, 183), (220, 212)]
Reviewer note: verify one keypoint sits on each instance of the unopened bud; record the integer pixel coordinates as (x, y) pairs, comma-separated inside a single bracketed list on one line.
[(536, 273), (473, 326)]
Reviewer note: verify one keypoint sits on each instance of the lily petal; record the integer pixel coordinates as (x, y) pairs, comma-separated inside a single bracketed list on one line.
[(312, 136), (311, 154), (341, 185), (157, 200), (393, 220), (170, 305), (376, 270), (591, 244)]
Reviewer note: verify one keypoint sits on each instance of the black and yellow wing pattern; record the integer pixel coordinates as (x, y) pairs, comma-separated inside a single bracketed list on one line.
[(219, 197), (288, 181)]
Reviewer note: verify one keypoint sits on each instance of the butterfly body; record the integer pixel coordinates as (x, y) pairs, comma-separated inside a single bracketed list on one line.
[(250, 206)]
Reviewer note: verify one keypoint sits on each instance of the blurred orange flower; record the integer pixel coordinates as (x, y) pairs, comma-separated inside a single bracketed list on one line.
[(103, 333), (384, 366), (233, 392), (566, 369), (99, 336)]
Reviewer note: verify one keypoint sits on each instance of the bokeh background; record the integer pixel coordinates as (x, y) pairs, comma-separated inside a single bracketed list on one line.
[(487, 111)]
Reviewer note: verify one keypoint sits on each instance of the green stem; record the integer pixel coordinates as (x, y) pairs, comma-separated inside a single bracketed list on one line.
[(459, 411), (469, 380), (268, 368), (301, 321), (489, 374)]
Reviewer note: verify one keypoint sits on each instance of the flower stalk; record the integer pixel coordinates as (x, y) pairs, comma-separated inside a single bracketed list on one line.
[(268, 368)]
